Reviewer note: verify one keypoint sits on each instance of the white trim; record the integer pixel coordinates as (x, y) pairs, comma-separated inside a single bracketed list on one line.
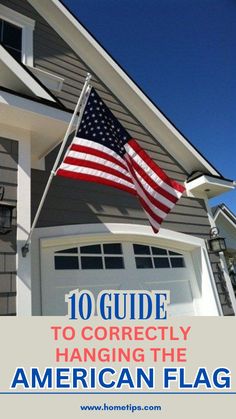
[(23, 306), (23, 265), (53, 235), (51, 81), (15, 17), (27, 26), (32, 106), (47, 124), (13, 133), (25, 78), (210, 186), (67, 235)]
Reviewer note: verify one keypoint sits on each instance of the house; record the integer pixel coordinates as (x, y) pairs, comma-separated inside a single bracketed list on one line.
[(89, 235), (225, 221)]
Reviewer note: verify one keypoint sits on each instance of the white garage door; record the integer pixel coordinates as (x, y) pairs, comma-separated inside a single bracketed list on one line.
[(116, 265)]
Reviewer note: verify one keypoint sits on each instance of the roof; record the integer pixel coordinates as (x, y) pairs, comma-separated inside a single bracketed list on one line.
[(16, 76), (225, 211), (122, 86)]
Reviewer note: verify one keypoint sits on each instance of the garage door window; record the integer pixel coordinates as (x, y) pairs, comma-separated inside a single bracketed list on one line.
[(150, 257), (95, 256)]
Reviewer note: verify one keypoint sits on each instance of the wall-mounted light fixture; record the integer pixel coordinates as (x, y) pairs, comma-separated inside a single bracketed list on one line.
[(216, 243), (6, 209)]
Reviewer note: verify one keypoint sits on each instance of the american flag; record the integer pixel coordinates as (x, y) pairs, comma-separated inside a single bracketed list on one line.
[(102, 151)]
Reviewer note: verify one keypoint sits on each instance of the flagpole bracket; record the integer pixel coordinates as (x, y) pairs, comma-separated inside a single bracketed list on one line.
[(88, 77), (25, 250)]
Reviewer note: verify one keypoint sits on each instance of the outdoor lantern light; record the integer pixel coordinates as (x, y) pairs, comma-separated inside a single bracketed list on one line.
[(216, 243), (6, 209)]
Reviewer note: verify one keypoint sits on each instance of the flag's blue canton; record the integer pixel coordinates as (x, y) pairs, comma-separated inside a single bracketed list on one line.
[(100, 125)]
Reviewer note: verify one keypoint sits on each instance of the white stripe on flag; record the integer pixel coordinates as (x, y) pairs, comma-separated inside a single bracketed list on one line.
[(149, 171), (96, 159), (96, 146), (93, 172), (141, 192), (153, 222), (154, 193)]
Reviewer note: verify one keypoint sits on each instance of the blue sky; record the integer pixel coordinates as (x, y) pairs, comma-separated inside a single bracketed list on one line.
[(182, 54)]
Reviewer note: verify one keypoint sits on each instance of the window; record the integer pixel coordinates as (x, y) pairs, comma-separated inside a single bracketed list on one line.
[(67, 260), (150, 257), (16, 34), (95, 256), (11, 38)]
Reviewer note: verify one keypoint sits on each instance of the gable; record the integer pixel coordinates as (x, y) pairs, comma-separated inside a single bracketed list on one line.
[(119, 83)]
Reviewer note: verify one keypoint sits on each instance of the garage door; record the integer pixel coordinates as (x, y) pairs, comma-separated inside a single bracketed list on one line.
[(114, 265)]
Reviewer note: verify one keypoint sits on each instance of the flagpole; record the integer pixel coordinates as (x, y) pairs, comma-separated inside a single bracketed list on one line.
[(86, 89)]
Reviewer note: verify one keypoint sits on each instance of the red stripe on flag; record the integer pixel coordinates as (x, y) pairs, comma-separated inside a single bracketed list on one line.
[(151, 198), (162, 175), (97, 153), (149, 211), (97, 166), (151, 182), (146, 206), (96, 179)]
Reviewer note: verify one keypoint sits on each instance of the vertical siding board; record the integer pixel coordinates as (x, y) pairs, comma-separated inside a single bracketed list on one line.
[(71, 197)]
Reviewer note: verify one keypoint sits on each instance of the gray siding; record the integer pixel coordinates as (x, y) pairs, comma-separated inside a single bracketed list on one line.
[(8, 178), (73, 202)]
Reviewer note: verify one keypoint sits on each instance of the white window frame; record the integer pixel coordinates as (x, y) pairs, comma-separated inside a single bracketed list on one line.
[(152, 256), (27, 25), (101, 254)]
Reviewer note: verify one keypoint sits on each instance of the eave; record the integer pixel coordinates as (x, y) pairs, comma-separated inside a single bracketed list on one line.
[(209, 186), (46, 123)]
